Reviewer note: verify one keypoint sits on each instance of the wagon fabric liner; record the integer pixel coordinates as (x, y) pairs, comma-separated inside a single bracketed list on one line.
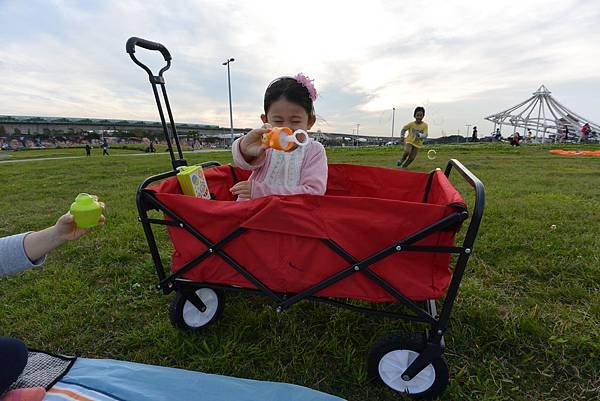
[(364, 210)]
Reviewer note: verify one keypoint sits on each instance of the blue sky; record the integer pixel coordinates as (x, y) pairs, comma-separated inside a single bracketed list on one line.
[(462, 60)]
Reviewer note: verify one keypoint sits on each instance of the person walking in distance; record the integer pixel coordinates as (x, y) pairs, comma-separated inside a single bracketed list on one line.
[(105, 148)]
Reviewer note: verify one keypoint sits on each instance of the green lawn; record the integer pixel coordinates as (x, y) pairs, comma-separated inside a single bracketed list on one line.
[(526, 324), (79, 152)]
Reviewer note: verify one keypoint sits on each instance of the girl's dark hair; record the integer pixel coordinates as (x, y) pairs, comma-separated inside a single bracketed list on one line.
[(419, 109), (291, 90)]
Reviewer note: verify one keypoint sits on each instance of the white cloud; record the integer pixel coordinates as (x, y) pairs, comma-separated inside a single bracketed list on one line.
[(69, 59)]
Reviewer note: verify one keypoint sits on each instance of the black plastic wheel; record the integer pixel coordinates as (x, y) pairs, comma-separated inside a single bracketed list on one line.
[(393, 353), (184, 314)]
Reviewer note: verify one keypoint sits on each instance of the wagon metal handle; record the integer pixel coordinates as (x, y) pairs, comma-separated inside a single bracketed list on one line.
[(146, 44), (479, 198)]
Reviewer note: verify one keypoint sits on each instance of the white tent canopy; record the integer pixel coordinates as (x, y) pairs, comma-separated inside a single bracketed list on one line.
[(542, 114)]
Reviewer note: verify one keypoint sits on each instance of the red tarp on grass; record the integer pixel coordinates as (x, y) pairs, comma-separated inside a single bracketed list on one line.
[(364, 210)]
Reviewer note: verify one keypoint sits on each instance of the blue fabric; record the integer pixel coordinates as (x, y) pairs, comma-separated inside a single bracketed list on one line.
[(138, 382)]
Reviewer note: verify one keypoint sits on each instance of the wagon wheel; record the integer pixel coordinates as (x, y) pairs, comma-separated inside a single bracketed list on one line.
[(393, 354), (185, 315)]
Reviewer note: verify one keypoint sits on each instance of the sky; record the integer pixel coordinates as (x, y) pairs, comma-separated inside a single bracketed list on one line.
[(462, 60)]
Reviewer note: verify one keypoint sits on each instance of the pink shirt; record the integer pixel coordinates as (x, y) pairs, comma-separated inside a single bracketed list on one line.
[(302, 171)]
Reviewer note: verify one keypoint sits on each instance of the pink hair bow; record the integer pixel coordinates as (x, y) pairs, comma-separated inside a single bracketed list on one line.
[(308, 84)]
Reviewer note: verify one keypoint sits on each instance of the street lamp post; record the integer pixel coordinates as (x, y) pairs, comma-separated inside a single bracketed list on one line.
[(393, 116), (357, 126), (229, 86)]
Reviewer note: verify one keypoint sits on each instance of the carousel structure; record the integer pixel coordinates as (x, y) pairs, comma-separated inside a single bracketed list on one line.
[(543, 117)]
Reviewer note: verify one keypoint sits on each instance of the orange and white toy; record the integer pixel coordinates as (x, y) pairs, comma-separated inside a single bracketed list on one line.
[(282, 138)]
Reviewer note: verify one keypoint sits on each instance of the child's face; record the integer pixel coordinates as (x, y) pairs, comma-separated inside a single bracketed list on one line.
[(284, 113), (419, 116)]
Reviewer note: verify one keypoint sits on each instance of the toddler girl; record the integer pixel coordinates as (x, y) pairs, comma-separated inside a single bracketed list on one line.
[(288, 103)]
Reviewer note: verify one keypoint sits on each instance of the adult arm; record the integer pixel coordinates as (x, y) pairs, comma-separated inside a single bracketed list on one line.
[(22, 251), (39, 243)]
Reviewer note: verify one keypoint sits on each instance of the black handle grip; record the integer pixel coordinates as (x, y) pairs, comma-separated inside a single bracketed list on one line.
[(146, 44)]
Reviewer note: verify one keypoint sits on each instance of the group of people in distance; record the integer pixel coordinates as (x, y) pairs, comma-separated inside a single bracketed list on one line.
[(516, 138), (104, 146)]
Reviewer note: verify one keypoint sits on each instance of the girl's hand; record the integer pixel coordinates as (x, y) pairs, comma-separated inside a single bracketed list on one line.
[(242, 189), (251, 144)]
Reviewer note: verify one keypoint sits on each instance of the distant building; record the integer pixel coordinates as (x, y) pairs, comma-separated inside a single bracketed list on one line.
[(32, 131), (32, 125)]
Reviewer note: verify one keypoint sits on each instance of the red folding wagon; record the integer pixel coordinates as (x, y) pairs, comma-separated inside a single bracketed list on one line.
[(378, 235)]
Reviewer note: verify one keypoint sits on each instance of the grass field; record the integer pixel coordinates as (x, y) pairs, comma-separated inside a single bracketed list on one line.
[(526, 324), (76, 152)]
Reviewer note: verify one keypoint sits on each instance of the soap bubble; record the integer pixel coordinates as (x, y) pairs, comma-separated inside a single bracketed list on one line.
[(431, 154)]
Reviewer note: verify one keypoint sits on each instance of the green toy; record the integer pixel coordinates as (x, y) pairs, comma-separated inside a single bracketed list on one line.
[(86, 211)]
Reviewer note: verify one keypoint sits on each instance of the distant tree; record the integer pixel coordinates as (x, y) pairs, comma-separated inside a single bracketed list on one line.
[(17, 131), (138, 133), (2, 130)]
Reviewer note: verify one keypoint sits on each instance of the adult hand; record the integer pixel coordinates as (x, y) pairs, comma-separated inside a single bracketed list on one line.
[(66, 229), (243, 189), (251, 144), (39, 243)]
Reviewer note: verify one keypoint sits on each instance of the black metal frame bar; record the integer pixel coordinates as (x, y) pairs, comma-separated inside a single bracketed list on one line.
[(146, 200)]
